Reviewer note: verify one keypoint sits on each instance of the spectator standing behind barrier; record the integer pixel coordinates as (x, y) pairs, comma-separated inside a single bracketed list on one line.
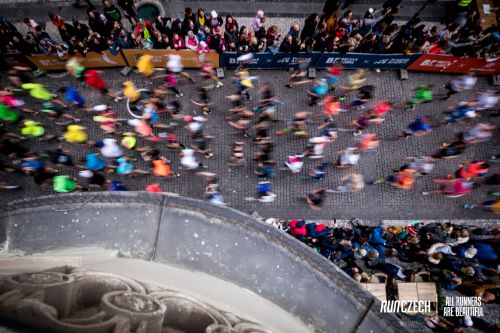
[(111, 12), (129, 11), (330, 7)]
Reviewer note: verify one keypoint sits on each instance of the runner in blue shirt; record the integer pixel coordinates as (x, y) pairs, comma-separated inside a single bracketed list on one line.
[(72, 96)]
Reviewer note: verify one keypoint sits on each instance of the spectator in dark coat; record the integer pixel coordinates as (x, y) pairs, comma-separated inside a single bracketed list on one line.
[(162, 24), (81, 31), (310, 26), (95, 22), (287, 44), (231, 37), (230, 22), (188, 16), (129, 11)]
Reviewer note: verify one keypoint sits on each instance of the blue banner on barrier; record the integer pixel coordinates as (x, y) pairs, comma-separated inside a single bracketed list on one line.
[(362, 60), (269, 60)]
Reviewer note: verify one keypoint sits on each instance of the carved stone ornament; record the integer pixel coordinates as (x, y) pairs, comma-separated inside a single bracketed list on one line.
[(72, 300)]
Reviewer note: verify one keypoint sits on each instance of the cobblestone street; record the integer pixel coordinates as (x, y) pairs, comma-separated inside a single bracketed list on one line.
[(374, 204)]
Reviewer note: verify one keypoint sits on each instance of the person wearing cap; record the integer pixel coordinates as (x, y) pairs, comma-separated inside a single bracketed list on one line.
[(371, 18), (215, 20)]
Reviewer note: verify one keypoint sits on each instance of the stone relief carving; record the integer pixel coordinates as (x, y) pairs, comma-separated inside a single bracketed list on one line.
[(70, 300)]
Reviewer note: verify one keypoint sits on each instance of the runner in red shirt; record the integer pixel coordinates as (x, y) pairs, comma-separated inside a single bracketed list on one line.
[(94, 80)]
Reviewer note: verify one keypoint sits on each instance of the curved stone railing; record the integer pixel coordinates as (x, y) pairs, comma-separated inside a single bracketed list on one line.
[(194, 235)]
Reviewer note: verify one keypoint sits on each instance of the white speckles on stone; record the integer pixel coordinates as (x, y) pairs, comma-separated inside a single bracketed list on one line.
[(278, 266), (97, 213), (65, 213), (202, 242), (83, 236), (15, 225), (107, 224), (186, 221), (62, 226), (195, 235), (216, 245), (236, 244), (246, 237)]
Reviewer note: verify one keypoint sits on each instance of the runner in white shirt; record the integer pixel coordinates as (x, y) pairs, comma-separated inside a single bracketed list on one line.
[(466, 82)]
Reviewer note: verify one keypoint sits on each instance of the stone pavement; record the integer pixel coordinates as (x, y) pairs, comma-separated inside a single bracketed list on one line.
[(374, 204)]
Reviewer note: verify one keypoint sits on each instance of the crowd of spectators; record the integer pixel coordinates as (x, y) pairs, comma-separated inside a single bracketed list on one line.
[(332, 31), (460, 258)]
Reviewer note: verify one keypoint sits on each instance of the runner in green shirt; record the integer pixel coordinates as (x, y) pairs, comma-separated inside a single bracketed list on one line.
[(62, 184), (38, 91), (423, 94), (75, 68), (8, 115)]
